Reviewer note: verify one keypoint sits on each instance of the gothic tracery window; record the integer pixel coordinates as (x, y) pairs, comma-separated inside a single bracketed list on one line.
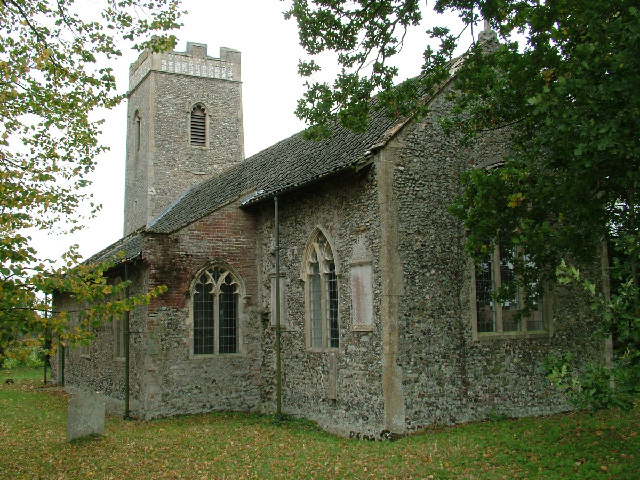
[(216, 296), (321, 294)]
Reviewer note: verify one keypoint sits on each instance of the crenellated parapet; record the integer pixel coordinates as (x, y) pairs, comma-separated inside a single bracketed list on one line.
[(193, 62)]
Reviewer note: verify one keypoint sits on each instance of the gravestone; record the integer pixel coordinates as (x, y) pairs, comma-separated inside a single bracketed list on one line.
[(85, 415)]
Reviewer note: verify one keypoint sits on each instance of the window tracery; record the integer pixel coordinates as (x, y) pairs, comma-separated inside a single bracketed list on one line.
[(321, 294), (216, 295)]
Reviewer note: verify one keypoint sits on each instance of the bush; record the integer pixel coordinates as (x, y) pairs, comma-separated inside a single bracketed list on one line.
[(27, 352), (593, 389)]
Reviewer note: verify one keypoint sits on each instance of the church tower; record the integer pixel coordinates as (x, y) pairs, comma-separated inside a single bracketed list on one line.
[(184, 125)]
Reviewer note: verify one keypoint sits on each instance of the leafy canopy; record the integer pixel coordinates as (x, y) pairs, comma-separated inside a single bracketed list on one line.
[(54, 73), (566, 94)]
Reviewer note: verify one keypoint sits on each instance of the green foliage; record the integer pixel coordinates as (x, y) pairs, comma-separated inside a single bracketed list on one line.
[(365, 34), (98, 300), (593, 388), (566, 97), (54, 73), (27, 352), (237, 445), (599, 387)]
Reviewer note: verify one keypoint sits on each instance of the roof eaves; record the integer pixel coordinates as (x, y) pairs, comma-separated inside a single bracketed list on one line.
[(262, 195), (130, 245)]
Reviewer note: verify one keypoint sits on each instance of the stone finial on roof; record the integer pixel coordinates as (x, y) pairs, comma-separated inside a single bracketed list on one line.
[(488, 38)]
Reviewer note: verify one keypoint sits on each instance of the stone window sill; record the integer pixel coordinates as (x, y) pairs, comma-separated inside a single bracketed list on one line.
[(323, 350), (207, 356), (362, 328), (490, 336)]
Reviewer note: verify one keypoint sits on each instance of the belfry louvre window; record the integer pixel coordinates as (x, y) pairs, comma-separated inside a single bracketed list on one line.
[(215, 312), (198, 133), (321, 294), (502, 317)]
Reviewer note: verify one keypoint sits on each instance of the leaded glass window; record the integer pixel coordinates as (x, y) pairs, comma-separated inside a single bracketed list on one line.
[(495, 271), (216, 295), (315, 297), (484, 301), (322, 294)]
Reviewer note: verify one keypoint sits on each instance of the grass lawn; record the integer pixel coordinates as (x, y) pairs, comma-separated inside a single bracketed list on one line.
[(228, 446)]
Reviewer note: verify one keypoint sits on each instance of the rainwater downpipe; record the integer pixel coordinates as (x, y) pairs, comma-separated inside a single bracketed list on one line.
[(278, 324), (47, 341), (127, 336)]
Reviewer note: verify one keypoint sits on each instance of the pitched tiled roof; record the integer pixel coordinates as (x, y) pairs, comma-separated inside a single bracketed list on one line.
[(131, 246), (289, 164)]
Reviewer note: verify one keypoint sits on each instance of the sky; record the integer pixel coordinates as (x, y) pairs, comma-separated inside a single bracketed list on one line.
[(271, 87)]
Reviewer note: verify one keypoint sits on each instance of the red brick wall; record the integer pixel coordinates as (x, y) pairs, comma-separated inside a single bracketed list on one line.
[(227, 236)]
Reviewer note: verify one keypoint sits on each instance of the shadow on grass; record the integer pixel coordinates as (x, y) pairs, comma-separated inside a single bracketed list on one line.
[(88, 440)]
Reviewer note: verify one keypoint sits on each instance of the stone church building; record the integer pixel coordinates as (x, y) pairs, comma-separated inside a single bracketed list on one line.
[(387, 326)]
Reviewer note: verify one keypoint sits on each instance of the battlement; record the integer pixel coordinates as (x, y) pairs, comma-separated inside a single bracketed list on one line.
[(193, 62)]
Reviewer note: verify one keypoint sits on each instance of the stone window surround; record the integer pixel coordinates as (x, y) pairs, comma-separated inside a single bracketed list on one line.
[(206, 125), (137, 132), (81, 349), (305, 273), (547, 312), (242, 297)]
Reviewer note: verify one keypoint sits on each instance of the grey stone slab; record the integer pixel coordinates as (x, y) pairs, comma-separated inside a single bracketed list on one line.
[(85, 415)]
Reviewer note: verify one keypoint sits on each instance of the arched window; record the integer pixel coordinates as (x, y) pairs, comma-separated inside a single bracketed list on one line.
[(216, 296), (137, 131), (321, 289), (198, 127)]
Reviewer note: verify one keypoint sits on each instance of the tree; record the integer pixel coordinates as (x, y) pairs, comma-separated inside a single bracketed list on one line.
[(566, 94), (54, 74)]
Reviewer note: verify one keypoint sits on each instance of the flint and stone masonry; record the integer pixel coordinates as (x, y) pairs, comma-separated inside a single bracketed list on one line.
[(161, 161), (400, 290)]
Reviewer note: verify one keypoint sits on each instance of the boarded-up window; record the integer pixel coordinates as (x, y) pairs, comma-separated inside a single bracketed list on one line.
[(283, 301), (362, 296)]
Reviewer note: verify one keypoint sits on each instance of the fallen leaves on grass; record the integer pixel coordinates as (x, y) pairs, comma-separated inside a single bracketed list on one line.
[(239, 446)]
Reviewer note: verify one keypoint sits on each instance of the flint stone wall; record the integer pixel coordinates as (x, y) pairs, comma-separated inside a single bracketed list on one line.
[(387, 223), (166, 164), (175, 380), (447, 375), (341, 388), (97, 368)]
